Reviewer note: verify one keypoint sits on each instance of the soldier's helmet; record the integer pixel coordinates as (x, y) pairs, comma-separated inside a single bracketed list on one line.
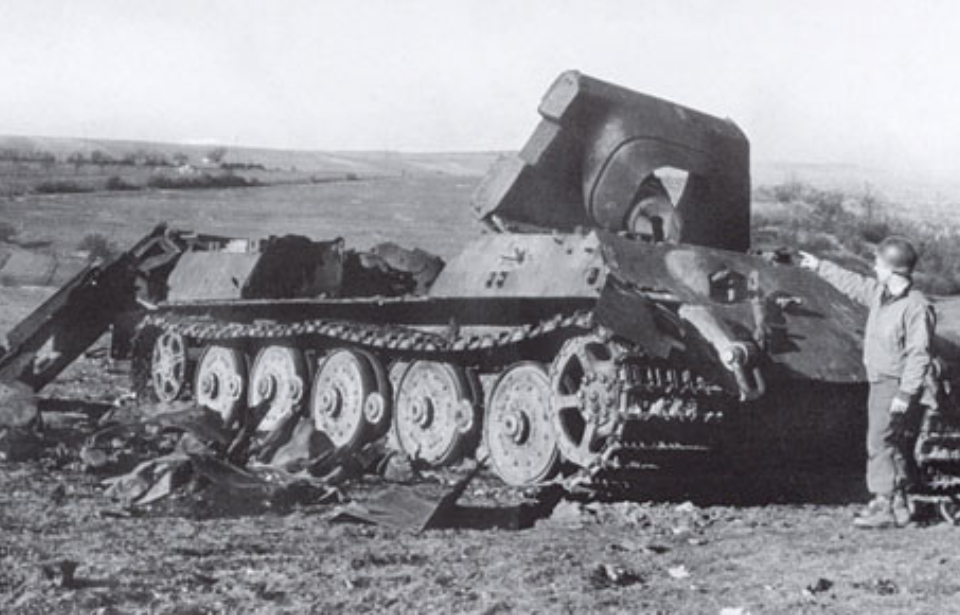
[(899, 254)]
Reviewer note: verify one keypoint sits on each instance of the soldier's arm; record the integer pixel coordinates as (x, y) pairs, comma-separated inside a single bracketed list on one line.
[(917, 350), (858, 287)]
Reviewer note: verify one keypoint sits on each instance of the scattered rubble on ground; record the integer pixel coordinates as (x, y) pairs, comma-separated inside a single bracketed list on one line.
[(820, 586), (881, 587), (180, 459), (20, 423), (608, 575), (678, 572)]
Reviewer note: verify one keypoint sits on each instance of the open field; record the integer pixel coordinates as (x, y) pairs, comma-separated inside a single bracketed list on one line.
[(284, 165), (427, 211), (20, 179)]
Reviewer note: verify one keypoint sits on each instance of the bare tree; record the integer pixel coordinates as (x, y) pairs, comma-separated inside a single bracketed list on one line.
[(7, 232), (217, 154)]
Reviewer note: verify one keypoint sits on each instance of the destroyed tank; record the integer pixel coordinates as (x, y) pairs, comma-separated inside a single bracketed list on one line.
[(612, 321), (601, 325)]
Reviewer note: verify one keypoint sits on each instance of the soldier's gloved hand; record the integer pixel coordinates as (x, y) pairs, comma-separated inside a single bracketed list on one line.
[(898, 419), (899, 405), (809, 261)]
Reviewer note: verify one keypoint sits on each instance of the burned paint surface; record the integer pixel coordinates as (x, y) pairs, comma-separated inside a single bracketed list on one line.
[(821, 328), (525, 266), (597, 143)]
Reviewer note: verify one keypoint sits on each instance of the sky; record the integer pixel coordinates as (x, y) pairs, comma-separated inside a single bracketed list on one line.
[(860, 82)]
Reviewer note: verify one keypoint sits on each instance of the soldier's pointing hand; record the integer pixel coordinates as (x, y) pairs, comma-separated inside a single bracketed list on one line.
[(809, 261)]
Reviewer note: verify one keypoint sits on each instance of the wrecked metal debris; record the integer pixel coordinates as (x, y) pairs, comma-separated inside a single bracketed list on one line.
[(604, 576), (401, 507)]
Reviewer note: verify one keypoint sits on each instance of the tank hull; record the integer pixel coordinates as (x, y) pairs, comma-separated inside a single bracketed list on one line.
[(628, 339)]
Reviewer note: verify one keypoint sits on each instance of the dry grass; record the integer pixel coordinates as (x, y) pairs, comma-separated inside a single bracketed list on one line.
[(847, 226), (431, 212)]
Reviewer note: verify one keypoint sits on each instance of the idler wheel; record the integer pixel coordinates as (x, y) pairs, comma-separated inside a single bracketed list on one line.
[(220, 381), (435, 415), (168, 366), (585, 395), (342, 390), (518, 428), (277, 382)]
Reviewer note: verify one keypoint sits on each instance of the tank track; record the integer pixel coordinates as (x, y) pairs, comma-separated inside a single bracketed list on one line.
[(630, 458), (937, 453), (397, 338), (671, 413)]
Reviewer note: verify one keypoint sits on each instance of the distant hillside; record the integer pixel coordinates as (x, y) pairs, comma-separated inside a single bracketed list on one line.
[(929, 189), (363, 163), (922, 196)]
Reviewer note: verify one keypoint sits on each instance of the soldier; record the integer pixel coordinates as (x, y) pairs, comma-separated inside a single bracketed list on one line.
[(897, 352)]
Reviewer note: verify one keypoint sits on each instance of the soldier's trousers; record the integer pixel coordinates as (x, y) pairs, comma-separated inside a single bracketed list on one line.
[(890, 464)]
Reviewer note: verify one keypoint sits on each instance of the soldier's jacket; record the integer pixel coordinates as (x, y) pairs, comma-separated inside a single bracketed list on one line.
[(899, 335)]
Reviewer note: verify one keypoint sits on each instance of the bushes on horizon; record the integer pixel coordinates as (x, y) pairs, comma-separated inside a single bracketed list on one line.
[(61, 186), (98, 247), (216, 155), (200, 182), (77, 159), (848, 226), (12, 154), (874, 231), (117, 183), (828, 203), (242, 166), (101, 158), (786, 192), (7, 232)]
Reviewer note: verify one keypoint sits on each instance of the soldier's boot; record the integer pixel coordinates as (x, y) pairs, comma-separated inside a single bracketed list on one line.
[(875, 505), (877, 515), (902, 513)]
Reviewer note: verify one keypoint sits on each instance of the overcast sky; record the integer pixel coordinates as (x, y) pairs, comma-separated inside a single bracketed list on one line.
[(863, 82)]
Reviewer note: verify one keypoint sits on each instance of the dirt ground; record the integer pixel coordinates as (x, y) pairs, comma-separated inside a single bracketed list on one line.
[(695, 548)]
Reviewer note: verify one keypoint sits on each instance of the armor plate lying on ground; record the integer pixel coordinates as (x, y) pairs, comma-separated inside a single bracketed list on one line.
[(613, 322)]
